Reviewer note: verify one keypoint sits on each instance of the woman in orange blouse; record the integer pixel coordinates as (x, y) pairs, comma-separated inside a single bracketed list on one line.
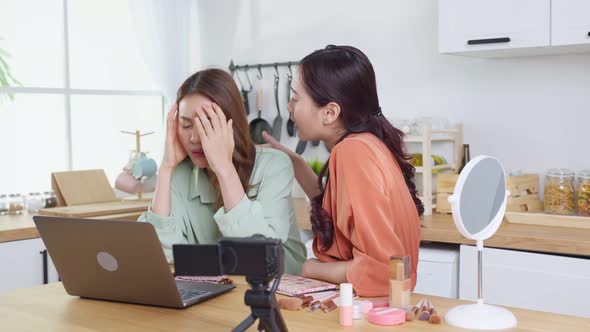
[(368, 209)]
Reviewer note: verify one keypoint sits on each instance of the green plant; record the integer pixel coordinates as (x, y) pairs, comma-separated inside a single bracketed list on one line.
[(6, 77), (316, 165)]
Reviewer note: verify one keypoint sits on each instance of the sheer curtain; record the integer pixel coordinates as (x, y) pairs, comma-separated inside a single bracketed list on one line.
[(166, 34)]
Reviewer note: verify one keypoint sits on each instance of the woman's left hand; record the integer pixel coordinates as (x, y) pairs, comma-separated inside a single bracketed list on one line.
[(217, 137)]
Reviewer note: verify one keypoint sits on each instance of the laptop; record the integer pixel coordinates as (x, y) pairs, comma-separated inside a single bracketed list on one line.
[(119, 261)]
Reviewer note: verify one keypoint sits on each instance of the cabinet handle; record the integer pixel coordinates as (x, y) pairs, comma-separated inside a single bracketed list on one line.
[(45, 272), (489, 41)]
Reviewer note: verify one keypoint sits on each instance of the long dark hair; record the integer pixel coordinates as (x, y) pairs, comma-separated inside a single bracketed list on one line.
[(219, 86), (344, 75)]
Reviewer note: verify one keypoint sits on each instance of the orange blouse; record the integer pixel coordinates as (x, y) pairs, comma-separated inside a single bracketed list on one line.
[(373, 213)]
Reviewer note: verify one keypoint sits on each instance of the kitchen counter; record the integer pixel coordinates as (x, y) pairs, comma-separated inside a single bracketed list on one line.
[(555, 240), (441, 228), (22, 227), (435, 228)]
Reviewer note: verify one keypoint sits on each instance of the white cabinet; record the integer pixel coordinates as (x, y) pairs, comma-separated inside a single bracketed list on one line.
[(499, 28), (22, 264), (478, 25), (527, 280), (438, 270), (570, 22)]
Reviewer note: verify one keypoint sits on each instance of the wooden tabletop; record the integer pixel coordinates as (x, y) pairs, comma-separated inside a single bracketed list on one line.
[(22, 227), (49, 308)]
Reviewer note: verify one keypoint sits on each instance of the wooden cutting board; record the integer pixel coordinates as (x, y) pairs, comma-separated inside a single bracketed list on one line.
[(96, 209), (82, 187), (543, 219)]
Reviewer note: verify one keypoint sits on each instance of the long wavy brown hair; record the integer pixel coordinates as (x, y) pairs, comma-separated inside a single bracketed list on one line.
[(344, 74), (219, 86)]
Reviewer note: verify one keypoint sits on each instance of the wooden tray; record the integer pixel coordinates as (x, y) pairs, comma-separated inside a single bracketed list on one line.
[(96, 209), (552, 220)]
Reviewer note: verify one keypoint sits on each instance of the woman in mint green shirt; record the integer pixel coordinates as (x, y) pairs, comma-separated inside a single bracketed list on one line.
[(213, 181)]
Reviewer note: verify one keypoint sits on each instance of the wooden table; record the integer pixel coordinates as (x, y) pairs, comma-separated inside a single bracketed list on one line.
[(49, 308)]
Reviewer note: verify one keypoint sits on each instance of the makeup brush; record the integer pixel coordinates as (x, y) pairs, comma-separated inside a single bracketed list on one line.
[(425, 315), (411, 315), (306, 300), (292, 303), (434, 317)]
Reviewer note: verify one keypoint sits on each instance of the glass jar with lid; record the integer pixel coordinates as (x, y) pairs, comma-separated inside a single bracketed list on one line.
[(4, 204), (560, 192), (16, 204), (584, 193), (50, 200), (35, 202)]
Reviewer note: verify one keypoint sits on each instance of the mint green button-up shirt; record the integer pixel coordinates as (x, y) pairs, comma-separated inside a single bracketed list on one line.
[(270, 212)]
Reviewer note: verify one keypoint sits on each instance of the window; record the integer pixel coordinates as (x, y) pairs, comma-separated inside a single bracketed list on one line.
[(80, 87), (104, 48), (33, 142), (97, 122), (34, 39)]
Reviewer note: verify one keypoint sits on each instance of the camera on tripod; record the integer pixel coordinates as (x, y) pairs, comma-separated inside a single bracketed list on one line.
[(258, 258)]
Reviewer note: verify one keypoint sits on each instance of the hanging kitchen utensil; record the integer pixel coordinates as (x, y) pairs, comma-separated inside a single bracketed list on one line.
[(258, 125), (277, 124), (245, 91), (301, 147), (291, 129)]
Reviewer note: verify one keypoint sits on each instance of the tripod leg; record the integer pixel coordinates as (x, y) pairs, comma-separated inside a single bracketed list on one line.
[(263, 325), (271, 320), (277, 320), (245, 324)]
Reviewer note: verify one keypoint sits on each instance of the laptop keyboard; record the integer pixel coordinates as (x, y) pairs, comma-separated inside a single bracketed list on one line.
[(189, 294)]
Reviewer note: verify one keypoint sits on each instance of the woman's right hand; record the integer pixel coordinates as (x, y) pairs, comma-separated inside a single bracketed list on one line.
[(273, 143), (174, 152), (304, 175)]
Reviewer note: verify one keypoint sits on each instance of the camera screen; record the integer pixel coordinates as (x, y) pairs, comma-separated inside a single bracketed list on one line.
[(243, 258), (196, 260)]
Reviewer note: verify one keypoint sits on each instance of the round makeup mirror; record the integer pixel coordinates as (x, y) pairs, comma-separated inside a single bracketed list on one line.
[(478, 204)]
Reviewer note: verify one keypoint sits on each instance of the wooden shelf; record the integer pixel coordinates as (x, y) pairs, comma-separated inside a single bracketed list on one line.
[(436, 135), (420, 139), (420, 169), (429, 135), (433, 204)]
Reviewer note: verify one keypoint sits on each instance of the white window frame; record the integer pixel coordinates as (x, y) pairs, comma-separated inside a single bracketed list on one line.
[(68, 92)]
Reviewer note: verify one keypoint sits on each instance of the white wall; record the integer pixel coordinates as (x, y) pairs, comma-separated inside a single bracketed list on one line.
[(531, 112)]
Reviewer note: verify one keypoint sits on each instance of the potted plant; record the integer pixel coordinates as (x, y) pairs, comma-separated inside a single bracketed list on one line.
[(6, 77), (316, 165)]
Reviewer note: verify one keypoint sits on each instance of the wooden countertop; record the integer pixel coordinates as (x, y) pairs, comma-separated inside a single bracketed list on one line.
[(22, 227), (441, 228), (49, 308), (435, 228), (559, 240)]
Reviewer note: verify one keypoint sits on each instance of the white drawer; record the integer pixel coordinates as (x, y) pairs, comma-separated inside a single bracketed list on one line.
[(527, 280), (438, 271)]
